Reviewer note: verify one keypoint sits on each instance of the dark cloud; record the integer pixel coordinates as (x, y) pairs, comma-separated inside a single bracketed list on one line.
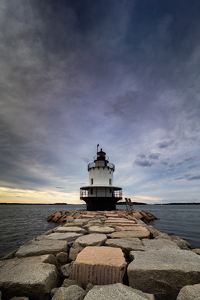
[(154, 155), (173, 166), (143, 156), (189, 177), (192, 166), (142, 161), (165, 144), (157, 159), (194, 177), (191, 158)]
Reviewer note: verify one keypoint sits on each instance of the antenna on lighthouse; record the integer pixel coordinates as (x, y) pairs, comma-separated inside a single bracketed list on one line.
[(97, 147)]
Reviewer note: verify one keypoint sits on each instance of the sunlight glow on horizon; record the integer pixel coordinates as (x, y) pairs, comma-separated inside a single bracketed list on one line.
[(12, 195), (9, 195)]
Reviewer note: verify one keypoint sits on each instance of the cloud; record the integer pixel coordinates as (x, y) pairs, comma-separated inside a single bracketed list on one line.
[(192, 166), (194, 177), (191, 158), (154, 155), (165, 144), (173, 166), (189, 177), (143, 162)]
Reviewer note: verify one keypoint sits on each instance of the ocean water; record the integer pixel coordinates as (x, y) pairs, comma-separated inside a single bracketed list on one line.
[(21, 223)]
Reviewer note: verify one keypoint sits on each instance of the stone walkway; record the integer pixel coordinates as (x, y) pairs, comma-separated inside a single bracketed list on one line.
[(90, 251)]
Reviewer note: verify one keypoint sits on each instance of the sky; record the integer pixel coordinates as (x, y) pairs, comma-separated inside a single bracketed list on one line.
[(124, 74)]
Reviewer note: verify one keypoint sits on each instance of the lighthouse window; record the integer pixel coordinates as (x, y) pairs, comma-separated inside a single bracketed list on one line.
[(110, 181), (91, 191), (91, 180)]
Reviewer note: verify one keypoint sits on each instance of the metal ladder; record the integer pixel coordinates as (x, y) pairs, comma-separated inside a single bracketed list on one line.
[(129, 204)]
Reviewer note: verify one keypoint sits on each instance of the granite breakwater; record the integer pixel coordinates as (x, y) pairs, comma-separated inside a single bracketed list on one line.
[(102, 255)]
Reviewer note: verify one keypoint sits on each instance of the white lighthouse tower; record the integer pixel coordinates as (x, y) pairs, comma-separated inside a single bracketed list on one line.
[(101, 194)]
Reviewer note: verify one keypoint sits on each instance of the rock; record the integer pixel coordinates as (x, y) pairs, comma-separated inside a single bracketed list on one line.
[(154, 232), (89, 287), (67, 282), (64, 219), (92, 223), (19, 298), (141, 223), (82, 221), (137, 215), (126, 244), (136, 227), (32, 276), (93, 239), (75, 250), (9, 256), (121, 213), (69, 236), (163, 272), (77, 215), (40, 237), (62, 257), (35, 248), (189, 292), (112, 215), (88, 216), (119, 221), (71, 229), (99, 265), (197, 251), (184, 245), (130, 234), (163, 235), (66, 269), (100, 229), (73, 292), (95, 221), (116, 291), (0, 295), (147, 215), (77, 223), (54, 217), (49, 231), (53, 291), (132, 219), (156, 244)]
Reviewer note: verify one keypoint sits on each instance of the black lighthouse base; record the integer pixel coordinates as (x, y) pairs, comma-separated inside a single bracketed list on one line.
[(100, 203)]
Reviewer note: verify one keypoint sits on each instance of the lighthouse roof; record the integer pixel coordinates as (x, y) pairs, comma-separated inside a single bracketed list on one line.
[(101, 155)]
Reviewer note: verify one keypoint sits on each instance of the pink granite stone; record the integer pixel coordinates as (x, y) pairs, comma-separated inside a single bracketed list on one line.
[(111, 215), (119, 221), (130, 234), (99, 266), (135, 227), (88, 216)]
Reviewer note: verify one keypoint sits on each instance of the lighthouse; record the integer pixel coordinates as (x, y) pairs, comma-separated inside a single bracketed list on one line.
[(100, 193)]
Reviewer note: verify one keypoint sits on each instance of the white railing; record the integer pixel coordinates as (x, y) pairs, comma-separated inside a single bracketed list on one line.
[(115, 194), (109, 165)]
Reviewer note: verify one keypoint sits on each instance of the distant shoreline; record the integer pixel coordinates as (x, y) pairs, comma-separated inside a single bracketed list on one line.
[(35, 204), (120, 203), (193, 203), (142, 203)]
